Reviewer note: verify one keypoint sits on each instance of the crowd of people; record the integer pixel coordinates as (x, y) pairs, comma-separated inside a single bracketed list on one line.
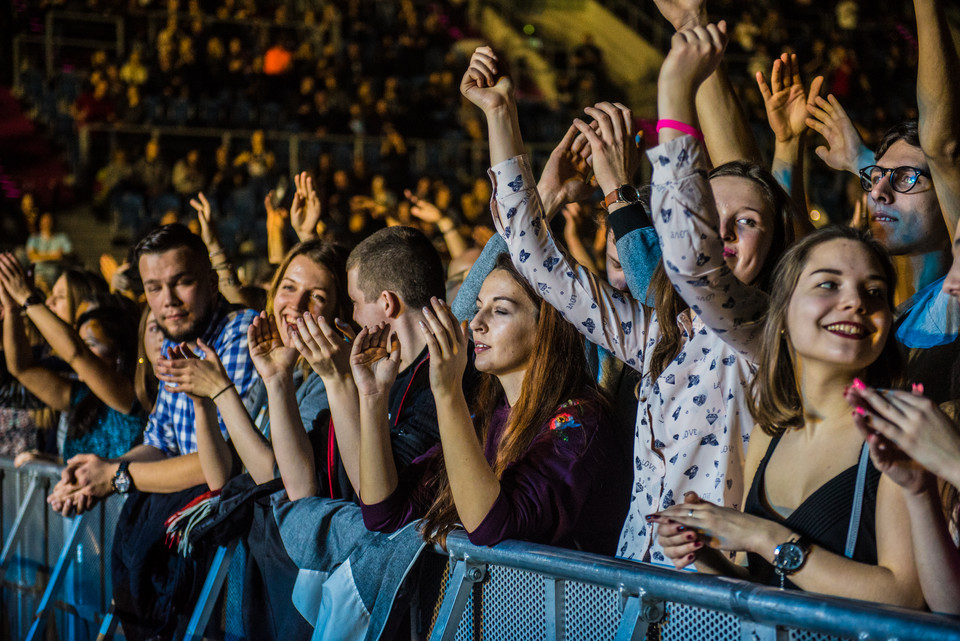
[(699, 378)]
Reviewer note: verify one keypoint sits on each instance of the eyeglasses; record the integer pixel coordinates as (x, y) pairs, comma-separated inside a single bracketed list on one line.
[(902, 179)]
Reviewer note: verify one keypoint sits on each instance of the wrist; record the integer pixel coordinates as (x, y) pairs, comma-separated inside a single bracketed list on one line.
[(690, 20), (768, 538), (445, 225)]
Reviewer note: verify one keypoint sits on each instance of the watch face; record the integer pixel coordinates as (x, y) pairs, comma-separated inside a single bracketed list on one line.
[(628, 193), (122, 482), (789, 556)]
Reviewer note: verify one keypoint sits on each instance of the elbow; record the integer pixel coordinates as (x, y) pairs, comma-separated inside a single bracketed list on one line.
[(296, 491), (940, 145)]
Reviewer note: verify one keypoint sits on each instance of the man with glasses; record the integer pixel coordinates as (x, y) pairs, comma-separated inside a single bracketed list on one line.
[(905, 214)]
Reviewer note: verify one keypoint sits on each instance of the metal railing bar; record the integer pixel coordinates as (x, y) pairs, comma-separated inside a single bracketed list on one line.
[(17, 530), (212, 586), (761, 604), (56, 578), (465, 575)]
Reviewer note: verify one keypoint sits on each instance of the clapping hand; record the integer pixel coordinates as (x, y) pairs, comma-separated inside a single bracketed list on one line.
[(375, 360)]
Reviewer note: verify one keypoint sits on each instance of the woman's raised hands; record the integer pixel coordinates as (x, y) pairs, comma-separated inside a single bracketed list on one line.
[(447, 343), (844, 147), (269, 354), (483, 84)]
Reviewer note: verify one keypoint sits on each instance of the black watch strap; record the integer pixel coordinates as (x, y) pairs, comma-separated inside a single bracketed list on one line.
[(36, 298)]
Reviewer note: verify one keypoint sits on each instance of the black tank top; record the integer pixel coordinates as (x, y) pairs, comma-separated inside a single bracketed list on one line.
[(824, 516)]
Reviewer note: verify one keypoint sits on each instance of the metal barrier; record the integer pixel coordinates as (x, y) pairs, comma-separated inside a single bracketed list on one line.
[(51, 566), (56, 567), (526, 591)]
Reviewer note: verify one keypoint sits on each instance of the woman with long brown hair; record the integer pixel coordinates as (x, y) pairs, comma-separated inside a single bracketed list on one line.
[(531, 459)]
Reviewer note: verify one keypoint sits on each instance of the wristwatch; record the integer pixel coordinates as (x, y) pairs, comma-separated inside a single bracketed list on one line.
[(122, 481), (36, 298), (790, 556), (622, 194)]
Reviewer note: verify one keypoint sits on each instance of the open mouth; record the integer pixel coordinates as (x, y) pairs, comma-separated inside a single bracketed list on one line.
[(884, 218), (854, 331), (480, 347), (727, 252)]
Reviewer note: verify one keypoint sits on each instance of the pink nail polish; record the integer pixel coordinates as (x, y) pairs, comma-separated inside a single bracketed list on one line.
[(917, 388), (859, 410), (858, 384)]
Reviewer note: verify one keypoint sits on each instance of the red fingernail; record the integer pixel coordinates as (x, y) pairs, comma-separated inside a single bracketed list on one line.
[(698, 545), (859, 410), (917, 388), (858, 384)]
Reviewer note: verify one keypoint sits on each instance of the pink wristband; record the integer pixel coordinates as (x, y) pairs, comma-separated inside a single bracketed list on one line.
[(682, 127)]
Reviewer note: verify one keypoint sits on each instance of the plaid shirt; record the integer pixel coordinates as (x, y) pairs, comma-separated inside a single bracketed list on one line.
[(172, 424)]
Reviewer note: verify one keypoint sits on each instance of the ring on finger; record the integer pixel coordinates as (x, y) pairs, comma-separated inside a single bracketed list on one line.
[(690, 514)]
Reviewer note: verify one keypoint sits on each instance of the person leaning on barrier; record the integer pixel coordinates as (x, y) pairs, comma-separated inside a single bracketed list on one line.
[(152, 585), (532, 459)]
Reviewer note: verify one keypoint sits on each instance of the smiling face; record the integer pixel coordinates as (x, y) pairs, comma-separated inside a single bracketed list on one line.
[(906, 223), (504, 327), (180, 293), (366, 313), (746, 225), (838, 313), (304, 287)]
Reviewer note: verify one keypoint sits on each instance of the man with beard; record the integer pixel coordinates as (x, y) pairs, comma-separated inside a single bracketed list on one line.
[(152, 584)]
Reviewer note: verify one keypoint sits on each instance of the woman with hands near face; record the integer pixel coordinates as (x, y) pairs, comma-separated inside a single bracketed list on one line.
[(527, 459), (917, 446), (288, 400)]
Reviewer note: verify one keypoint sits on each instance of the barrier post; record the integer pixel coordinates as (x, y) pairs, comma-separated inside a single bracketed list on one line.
[(56, 577), (17, 530), (466, 574), (212, 586)]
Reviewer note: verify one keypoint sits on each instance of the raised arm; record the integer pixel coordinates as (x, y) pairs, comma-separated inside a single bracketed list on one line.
[(683, 205), (375, 368), (431, 214), (328, 354), (52, 389), (786, 101), (305, 210), (938, 99), (844, 150), (229, 284), (105, 382), (208, 385)]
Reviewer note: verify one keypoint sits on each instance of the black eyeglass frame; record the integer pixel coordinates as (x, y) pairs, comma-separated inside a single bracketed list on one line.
[(867, 183)]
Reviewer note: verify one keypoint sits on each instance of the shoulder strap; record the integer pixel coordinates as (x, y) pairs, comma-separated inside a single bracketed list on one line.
[(854, 528)]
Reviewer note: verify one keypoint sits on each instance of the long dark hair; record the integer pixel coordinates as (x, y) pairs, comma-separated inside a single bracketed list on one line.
[(668, 304), (118, 320), (557, 373), (775, 398)]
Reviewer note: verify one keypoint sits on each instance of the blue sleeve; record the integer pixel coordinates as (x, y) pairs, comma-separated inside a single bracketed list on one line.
[(638, 248), (465, 304)]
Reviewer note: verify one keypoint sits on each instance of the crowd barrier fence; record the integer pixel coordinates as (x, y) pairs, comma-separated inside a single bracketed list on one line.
[(55, 573)]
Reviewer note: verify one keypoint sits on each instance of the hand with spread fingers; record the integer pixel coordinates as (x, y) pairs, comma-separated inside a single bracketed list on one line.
[(844, 148), (447, 343), (196, 377), (375, 360), (267, 351), (305, 209), (423, 209), (786, 100), (483, 84), (325, 348), (908, 434)]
